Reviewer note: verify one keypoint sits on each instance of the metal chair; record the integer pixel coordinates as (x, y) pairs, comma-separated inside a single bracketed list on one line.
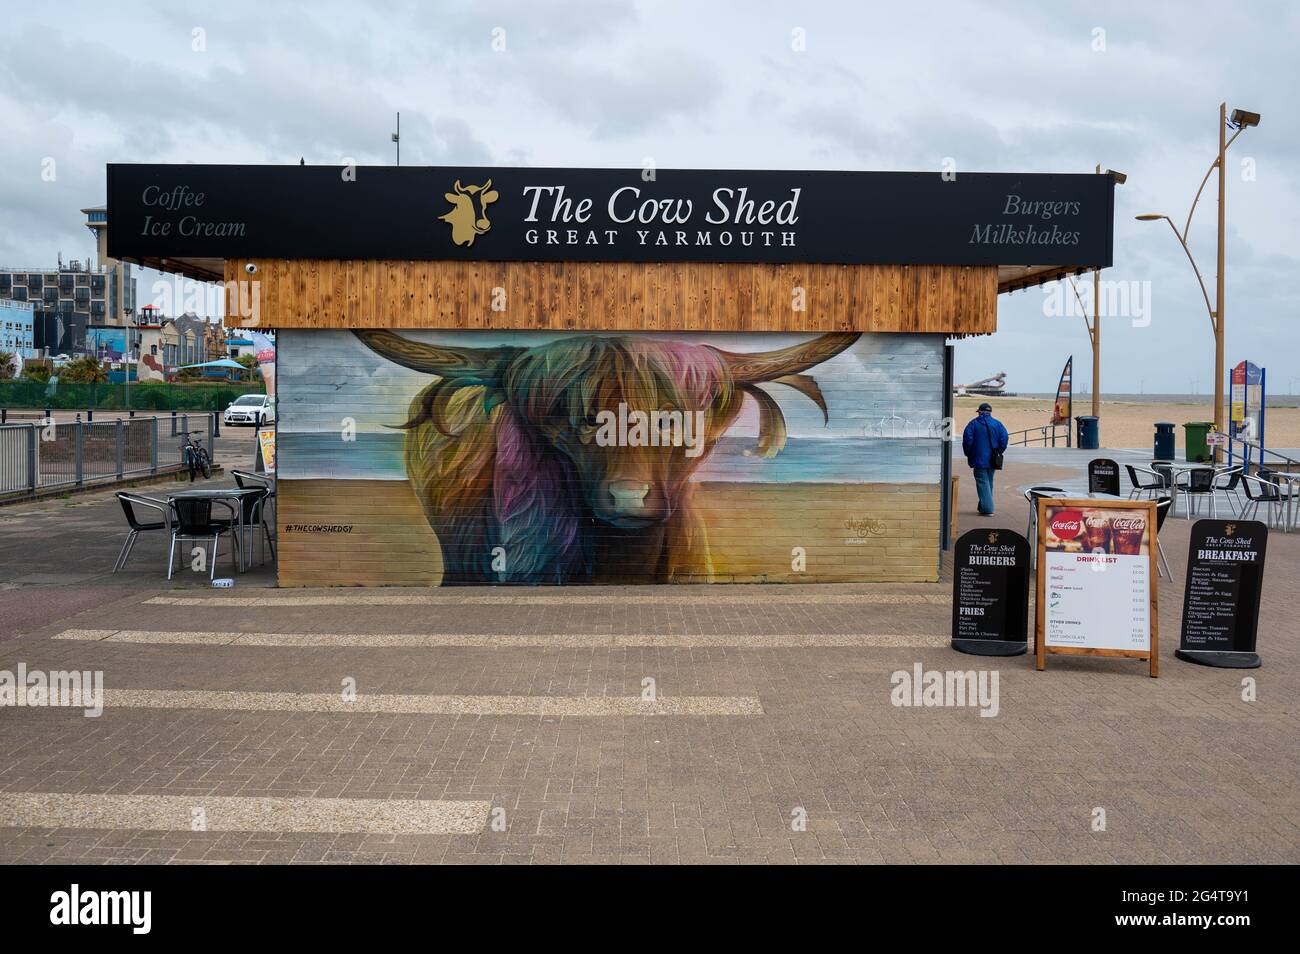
[(1163, 469), (1033, 495), (194, 521), (1286, 492), (1263, 492), (1163, 504), (1199, 483), (253, 517), (245, 479), (1141, 488), (129, 502), (1227, 481)]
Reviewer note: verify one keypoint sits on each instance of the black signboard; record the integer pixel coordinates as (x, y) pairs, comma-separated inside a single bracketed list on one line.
[(1103, 476), (1225, 577), (607, 215), (990, 593)]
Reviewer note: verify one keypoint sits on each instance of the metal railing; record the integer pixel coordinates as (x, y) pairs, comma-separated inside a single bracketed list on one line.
[(48, 454), (1047, 435), (1290, 462)]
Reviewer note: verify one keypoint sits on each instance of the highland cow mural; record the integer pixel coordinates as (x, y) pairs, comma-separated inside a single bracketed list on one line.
[(555, 458)]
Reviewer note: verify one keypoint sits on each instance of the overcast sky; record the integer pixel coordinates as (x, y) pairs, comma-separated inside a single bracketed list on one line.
[(998, 87)]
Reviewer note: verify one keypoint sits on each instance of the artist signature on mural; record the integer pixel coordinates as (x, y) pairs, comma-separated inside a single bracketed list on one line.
[(861, 528)]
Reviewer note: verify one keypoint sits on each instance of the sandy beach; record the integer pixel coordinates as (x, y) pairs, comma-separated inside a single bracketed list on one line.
[(1125, 423)]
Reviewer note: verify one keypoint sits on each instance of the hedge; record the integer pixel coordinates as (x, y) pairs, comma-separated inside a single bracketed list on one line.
[(142, 396)]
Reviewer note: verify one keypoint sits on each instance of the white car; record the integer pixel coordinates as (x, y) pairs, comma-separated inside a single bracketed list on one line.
[(252, 409)]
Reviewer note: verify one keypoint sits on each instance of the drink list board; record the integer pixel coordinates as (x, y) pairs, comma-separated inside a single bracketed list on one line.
[(1097, 580)]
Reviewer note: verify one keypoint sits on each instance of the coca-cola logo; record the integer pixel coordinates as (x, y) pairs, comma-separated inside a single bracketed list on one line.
[(1129, 523), (1066, 524)]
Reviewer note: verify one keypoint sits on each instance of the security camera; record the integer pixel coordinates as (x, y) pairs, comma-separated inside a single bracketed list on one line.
[(250, 268)]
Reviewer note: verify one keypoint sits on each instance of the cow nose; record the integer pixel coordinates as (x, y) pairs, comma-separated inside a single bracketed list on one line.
[(482, 225), (628, 494)]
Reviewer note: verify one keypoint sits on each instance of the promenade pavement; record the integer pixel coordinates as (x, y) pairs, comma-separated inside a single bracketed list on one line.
[(616, 725)]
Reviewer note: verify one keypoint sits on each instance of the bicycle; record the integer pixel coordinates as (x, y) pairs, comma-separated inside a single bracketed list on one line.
[(195, 456)]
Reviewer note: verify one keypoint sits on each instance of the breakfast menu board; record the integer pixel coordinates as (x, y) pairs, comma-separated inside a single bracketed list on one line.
[(1225, 575), (1096, 579)]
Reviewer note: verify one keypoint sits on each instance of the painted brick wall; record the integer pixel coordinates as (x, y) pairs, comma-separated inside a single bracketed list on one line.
[(513, 467)]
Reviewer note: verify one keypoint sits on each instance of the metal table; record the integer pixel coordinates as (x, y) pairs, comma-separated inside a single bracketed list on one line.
[(237, 496), (1175, 469)]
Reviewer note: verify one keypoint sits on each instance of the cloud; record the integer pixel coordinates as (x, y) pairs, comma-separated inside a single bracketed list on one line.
[(1007, 86)]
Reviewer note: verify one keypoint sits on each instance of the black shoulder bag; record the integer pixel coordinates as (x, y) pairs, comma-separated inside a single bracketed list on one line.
[(995, 455)]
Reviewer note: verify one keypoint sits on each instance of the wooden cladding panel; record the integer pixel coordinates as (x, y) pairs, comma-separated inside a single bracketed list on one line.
[(623, 296)]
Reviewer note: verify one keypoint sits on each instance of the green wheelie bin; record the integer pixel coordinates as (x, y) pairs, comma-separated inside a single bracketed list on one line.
[(1197, 451)]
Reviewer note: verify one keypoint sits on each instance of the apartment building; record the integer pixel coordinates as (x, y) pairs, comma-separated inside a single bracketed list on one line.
[(71, 297), (17, 320)]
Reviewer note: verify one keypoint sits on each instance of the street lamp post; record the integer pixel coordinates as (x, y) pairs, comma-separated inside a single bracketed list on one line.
[(1239, 121), (1094, 329)]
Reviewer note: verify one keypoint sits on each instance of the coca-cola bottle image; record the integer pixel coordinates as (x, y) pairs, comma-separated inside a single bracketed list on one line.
[(1126, 533), (1096, 532)]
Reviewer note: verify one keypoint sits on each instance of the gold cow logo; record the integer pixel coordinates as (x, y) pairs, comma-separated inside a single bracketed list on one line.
[(1230, 529), (993, 537), (468, 214)]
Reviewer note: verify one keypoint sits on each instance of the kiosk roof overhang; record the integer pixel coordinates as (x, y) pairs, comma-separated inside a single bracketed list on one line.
[(1010, 277)]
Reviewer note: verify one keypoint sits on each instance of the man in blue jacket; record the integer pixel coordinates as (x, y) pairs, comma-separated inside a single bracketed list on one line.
[(983, 436)]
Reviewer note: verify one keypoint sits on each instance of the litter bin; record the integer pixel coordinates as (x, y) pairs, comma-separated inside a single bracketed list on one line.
[(1164, 449), (1089, 432), (1196, 450)]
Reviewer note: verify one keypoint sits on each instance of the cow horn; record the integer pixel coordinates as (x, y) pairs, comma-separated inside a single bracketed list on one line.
[(768, 365), (469, 365), (485, 186), (459, 190)]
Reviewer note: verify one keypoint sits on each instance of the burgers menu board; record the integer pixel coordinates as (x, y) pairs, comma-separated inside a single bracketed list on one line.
[(1103, 477), (990, 593), (1096, 579)]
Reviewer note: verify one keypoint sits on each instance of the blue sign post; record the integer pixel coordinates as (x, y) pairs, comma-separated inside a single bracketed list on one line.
[(1246, 411)]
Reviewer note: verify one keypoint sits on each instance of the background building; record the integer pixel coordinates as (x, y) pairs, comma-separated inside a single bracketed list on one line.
[(16, 329), (167, 344), (236, 346), (193, 340), (69, 298), (121, 285)]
